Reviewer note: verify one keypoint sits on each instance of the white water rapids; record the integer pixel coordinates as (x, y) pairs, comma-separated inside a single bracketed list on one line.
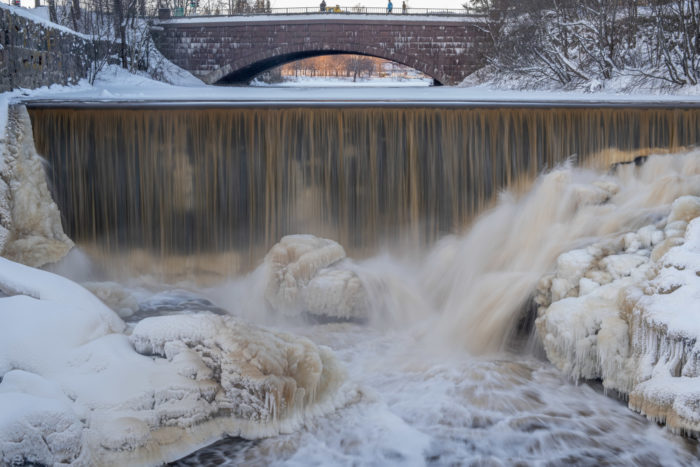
[(438, 375)]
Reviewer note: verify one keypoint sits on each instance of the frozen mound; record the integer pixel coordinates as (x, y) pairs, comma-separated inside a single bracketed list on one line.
[(75, 390), (625, 311), (307, 275), (30, 222)]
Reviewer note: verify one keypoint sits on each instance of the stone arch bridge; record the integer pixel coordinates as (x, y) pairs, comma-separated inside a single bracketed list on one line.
[(236, 49)]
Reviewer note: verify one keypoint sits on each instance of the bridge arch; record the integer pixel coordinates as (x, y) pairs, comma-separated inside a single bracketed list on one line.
[(244, 69)]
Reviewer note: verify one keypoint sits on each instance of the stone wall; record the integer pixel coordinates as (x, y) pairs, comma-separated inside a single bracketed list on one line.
[(236, 51), (35, 54)]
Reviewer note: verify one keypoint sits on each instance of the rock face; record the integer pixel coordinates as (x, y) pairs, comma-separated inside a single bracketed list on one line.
[(625, 311), (82, 392), (307, 274)]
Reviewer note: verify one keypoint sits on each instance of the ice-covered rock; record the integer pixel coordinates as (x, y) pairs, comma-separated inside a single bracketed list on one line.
[(263, 376), (30, 222), (37, 422), (638, 330), (307, 274), (75, 390)]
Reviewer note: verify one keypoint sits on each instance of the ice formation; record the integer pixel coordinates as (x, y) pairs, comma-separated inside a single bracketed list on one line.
[(75, 389), (307, 274), (30, 222), (625, 310)]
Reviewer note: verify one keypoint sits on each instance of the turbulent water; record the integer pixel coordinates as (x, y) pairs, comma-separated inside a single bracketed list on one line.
[(444, 370), (413, 410)]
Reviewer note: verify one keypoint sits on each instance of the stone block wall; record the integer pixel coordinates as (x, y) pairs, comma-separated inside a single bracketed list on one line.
[(35, 54)]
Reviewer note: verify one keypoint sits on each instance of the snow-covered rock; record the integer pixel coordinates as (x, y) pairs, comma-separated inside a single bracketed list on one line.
[(30, 222), (74, 389), (307, 274), (628, 315)]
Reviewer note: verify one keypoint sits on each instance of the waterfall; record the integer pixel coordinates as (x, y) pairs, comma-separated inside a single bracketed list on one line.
[(211, 190)]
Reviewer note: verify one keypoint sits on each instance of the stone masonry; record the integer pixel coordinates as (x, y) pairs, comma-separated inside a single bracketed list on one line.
[(235, 50), (34, 54)]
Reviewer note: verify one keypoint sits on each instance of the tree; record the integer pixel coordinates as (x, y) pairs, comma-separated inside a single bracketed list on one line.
[(568, 41), (52, 11), (676, 41), (358, 64)]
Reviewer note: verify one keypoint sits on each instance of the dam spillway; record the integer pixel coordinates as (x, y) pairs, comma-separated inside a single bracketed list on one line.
[(191, 181)]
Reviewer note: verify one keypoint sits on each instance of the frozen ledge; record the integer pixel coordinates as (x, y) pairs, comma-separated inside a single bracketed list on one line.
[(627, 311), (75, 389)]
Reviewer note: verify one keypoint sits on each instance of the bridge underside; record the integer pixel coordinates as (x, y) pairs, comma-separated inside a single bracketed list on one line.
[(246, 74)]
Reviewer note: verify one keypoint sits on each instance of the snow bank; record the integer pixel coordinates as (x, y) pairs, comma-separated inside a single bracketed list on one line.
[(75, 390), (307, 274), (36, 16), (340, 81), (624, 310), (30, 222)]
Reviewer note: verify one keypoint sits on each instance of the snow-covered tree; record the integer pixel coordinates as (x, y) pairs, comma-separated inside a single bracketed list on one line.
[(589, 41)]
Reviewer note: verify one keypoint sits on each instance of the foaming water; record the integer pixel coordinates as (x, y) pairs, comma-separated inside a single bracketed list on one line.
[(405, 408)]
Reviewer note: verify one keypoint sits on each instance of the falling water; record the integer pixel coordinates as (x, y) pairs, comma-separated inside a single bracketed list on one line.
[(216, 188)]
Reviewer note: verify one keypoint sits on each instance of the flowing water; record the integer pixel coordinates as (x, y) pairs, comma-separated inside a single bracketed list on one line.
[(444, 372), (166, 186)]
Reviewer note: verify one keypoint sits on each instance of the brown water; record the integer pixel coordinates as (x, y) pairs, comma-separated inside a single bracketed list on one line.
[(178, 184)]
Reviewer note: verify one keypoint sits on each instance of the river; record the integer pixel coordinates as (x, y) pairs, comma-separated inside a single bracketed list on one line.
[(445, 216)]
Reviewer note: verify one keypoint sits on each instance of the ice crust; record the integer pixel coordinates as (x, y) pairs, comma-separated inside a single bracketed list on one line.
[(30, 222), (625, 310), (76, 390), (307, 274)]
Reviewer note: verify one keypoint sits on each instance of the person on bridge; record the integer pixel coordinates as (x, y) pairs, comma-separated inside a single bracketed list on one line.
[(323, 6), (389, 7), (403, 7)]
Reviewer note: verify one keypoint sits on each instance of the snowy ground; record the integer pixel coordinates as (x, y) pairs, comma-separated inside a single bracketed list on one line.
[(326, 82), (116, 85)]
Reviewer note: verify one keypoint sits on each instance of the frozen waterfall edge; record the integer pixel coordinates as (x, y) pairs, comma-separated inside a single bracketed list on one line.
[(30, 222), (624, 311)]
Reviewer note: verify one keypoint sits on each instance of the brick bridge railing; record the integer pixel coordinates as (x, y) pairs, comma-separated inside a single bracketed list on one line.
[(236, 49)]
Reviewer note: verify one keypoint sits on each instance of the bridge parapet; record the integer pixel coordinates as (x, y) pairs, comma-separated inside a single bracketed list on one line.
[(167, 13)]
